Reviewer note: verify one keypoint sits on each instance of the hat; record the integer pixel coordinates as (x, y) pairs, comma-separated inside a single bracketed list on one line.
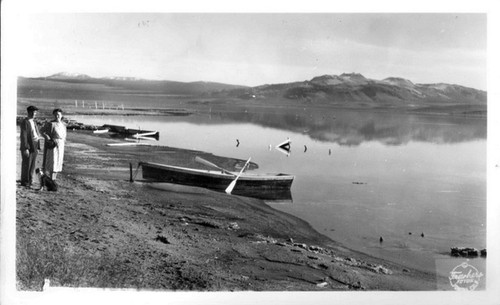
[(32, 108)]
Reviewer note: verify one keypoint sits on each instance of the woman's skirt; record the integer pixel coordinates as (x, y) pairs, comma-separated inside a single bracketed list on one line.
[(54, 157)]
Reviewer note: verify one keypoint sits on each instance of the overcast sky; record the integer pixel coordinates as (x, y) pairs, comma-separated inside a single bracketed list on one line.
[(255, 49)]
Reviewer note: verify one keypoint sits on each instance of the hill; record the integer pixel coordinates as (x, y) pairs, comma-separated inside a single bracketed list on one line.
[(354, 87)]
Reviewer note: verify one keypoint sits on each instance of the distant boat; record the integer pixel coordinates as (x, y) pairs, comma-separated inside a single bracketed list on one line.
[(123, 131), (101, 131), (262, 186)]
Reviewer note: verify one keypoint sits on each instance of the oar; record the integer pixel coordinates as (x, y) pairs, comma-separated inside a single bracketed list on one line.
[(233, 183), (208, 163)]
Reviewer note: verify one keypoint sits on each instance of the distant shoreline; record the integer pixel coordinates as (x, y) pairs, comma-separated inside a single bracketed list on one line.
[(191, 106)]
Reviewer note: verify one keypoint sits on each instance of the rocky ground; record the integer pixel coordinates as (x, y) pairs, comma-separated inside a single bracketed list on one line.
[(101, 230)]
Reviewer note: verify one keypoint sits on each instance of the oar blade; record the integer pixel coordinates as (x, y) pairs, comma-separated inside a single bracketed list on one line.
[(231, 186)]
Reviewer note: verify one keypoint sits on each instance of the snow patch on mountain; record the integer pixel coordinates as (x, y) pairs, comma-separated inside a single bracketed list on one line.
[(68, 75)]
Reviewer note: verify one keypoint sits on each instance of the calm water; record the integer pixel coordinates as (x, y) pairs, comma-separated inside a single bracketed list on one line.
[(359, 175)]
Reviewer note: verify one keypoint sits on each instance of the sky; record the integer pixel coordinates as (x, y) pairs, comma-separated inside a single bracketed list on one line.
[(256, 48)]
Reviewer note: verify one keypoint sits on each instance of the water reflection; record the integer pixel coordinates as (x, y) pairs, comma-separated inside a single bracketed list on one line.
[(353, 128)]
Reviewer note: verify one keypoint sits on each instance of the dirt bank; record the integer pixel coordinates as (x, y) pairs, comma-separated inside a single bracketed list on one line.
[(100, 230)]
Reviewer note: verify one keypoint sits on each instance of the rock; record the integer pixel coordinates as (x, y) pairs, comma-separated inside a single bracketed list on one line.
[(383, 270), (350, 259), (315, 249), (265, 239), (303, 246), (322, 285), (465, 252), (234, 226), (357, 285)]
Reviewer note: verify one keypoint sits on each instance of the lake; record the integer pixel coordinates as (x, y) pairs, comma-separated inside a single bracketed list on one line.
[(359, 175)]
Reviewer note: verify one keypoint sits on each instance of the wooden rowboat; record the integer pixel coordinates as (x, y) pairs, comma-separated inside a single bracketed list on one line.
[(265, 186), (123, 131)]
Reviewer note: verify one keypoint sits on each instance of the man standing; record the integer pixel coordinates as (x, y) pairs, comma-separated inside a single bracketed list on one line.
[(30, 144)]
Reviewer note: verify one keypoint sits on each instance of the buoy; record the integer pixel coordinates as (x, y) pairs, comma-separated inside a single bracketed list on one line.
[(422, 234), (381, 239)]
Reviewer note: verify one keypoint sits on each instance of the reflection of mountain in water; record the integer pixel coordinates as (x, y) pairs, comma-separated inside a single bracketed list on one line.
[(353, 128)]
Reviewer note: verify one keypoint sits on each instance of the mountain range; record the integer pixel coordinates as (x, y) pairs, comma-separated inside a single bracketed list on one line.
[(143, 85), (344, 88)]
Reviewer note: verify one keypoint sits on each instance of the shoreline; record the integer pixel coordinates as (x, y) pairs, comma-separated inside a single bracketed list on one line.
[(200, 239), (192, 105)]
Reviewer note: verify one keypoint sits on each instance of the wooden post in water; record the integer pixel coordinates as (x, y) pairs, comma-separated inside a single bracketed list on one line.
[(131, 175), (95, 104)]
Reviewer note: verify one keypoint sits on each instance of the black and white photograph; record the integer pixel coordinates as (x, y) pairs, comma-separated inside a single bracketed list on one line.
[(282, 155)]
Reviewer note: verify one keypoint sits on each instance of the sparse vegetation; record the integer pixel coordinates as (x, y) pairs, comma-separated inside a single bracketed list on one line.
[(40, 257)]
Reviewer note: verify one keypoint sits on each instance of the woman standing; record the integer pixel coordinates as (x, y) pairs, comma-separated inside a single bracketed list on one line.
[(54, 133)]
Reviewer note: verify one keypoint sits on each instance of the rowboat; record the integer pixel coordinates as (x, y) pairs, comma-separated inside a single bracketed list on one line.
[(123, 131), (262, 186)]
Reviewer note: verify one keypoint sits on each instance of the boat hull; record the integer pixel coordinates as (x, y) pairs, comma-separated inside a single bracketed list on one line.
[(271, 187), (123, 131)]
